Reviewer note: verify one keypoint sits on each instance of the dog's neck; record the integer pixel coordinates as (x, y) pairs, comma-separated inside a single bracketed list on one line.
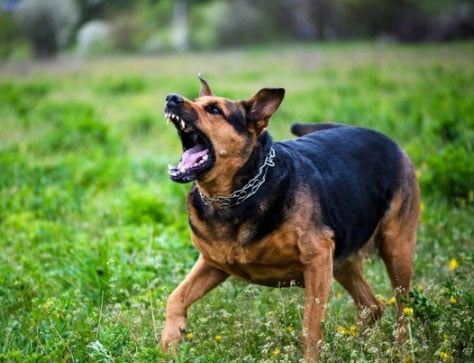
[(246, 181)]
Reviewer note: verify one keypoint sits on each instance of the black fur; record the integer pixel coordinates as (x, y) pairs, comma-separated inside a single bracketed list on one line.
[(236, 118), (299, 129)]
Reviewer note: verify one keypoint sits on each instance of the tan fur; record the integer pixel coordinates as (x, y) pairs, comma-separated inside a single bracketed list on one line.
[(396, 240), (350, 275), (231, 149), (279, 259)]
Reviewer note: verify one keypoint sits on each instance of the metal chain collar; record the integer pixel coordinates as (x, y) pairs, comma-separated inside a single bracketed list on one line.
[(240, 195)]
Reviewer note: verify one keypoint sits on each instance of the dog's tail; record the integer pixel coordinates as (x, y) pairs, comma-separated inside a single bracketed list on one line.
[(299, 129)]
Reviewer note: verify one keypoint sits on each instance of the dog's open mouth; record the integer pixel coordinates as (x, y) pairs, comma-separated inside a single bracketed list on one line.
[(198, 156)]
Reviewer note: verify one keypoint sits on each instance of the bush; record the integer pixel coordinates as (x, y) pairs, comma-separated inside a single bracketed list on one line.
[(48, 24), (7, 34), (450, 171), (450, 174)]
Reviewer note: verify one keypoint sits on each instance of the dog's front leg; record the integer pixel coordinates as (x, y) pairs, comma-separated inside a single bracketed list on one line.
[(202, 278), (317, 280)]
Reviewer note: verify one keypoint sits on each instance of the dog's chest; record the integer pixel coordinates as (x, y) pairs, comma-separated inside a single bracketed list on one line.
[(272, 260)]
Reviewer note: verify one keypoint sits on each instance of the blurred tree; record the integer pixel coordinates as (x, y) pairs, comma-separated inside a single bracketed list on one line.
[(408, 20), (313, 19), (179, 32), (174, 24), (102, 9), (8, 34), (156, 25), (91, 10), (48, 24)]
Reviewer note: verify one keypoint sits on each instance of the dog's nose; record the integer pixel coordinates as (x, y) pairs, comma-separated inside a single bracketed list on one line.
[(173, 99)]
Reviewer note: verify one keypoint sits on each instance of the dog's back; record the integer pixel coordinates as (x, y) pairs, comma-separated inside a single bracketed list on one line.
[(354, 172)]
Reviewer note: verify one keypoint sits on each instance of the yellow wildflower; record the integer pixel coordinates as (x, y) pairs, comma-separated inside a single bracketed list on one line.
[(276, 352), (290, 328), (453, 264), (189, 336), (47, 304), (407, 311), (452, 300), (392, 300), (218, 338), (341, 330), (444, 355), (353, 331)]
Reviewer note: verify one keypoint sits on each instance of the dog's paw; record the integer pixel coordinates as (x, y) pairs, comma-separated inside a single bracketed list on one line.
[(172, 336)]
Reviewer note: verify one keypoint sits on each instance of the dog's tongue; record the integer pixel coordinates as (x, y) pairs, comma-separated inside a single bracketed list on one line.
[(191, 157)]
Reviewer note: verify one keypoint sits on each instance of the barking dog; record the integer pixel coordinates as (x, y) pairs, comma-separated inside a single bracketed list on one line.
[(295, 212)]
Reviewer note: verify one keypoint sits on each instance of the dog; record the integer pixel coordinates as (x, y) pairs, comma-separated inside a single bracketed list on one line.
[(289, 213)]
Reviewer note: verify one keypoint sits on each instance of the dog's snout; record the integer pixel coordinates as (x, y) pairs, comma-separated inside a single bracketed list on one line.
[(173, 99)]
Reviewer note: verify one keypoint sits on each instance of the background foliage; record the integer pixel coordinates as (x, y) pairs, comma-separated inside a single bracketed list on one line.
[(151, 26), (94, 236)]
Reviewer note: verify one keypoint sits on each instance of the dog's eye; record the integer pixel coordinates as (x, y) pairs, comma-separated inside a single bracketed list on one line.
[(213, 109)]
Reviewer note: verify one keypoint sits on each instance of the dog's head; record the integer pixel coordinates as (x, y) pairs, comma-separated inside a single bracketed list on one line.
[(217, 134)]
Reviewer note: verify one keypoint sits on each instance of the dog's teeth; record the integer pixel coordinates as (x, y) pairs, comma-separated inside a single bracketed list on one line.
[(183, 125), (173, 172), (205, 157)]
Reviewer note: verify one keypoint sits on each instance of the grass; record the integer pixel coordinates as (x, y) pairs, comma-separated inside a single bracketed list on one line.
[(94, 236)]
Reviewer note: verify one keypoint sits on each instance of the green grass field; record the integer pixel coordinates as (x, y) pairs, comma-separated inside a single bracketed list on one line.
[(94, 237)]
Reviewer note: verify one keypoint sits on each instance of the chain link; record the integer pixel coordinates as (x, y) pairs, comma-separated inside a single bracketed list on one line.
[(249, 189)]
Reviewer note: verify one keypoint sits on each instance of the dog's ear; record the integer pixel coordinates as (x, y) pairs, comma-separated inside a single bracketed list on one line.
[(205, 89), (261, 106)]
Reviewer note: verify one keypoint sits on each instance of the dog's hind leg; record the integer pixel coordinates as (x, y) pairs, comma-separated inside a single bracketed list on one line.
[(395, 240), (350, 275)]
